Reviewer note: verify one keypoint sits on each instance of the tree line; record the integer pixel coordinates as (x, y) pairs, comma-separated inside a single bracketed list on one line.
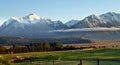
[(35, 47), (41, 47)]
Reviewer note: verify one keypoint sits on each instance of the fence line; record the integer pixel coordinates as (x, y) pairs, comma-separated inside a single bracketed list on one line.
[(80, 62)]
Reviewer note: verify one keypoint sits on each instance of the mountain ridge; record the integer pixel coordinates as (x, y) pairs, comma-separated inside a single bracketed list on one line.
[(109, 19), (34, 26)]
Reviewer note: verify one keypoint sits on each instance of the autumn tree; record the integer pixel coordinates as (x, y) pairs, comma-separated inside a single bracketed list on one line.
[(46, 46)]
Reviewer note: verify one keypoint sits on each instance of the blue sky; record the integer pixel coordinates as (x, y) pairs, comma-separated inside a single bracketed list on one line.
[(63, 10)]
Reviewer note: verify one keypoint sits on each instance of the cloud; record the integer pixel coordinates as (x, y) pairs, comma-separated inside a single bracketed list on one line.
[(87, 29)]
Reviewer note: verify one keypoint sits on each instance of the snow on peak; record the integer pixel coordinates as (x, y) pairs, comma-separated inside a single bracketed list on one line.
[(14, 18), (32, 17), (11, 20), (110, 13), (111, 17), (72, 22), (93, 18)]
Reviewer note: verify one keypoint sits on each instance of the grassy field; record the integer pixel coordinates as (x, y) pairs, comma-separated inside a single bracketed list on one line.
[(71, 57)]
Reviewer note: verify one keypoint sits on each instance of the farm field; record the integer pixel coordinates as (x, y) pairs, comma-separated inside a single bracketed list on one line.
[(108, 56)]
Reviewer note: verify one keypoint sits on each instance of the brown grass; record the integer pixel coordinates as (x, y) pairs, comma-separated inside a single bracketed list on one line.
[(107, 44)]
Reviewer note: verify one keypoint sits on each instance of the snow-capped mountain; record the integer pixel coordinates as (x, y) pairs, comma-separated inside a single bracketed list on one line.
[(30, 25), (90, 21), (110, 19), (35, 26), (71, 22), (59, 25), (32, 19)]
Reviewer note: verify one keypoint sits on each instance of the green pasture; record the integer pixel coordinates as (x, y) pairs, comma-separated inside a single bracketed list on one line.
[(71, 57)]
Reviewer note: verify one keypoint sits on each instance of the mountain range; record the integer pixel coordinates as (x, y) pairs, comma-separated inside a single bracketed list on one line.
[(33, 26), (110, 19)]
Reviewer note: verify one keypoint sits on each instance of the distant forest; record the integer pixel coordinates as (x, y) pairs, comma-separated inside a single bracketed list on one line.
[(25, 41), (35, 47)]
